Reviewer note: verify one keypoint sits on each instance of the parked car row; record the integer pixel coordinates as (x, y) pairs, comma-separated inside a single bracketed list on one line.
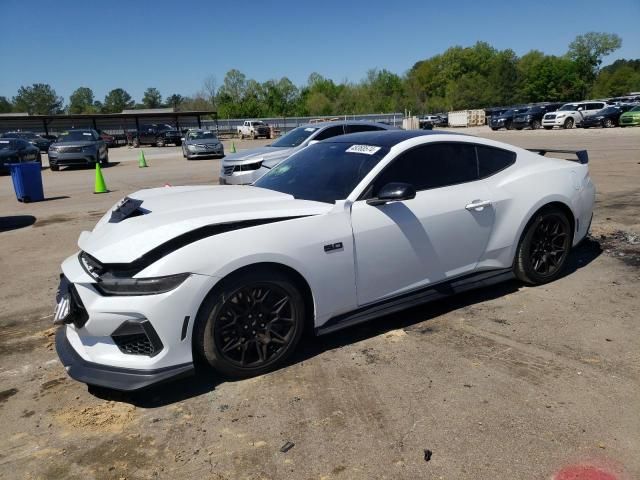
[(586, 114)]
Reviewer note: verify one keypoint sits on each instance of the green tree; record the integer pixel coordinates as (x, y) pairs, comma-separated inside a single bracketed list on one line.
[(619, 78), (81, 101), (588, 50), (38, 99), (231, 93), (152, 98), (175, 101), (5, 105), (117, 100)]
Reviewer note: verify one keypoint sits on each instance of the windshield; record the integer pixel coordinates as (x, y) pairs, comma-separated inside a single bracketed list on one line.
[(201, 135), (635, 109), (5, 145), (76, 136), (568, 108), (255, 124), (324, 172), (295, 137)]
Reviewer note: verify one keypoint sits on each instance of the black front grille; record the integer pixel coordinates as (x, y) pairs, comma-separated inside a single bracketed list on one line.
[(70, 149), (138, 344), (137, 338)]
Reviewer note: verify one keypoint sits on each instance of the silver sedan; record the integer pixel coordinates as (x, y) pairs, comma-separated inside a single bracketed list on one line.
[(199, 143)]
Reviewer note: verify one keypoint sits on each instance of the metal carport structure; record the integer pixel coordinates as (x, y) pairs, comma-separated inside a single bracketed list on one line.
[(126, 121)]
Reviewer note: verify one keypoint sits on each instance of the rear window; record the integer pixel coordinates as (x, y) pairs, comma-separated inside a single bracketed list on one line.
[(492, 160)]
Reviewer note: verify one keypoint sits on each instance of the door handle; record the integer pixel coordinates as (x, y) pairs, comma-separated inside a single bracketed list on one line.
[(478, 205)]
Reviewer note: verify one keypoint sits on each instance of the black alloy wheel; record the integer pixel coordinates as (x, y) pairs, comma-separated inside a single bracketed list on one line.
[(544, 248), (253, 324)]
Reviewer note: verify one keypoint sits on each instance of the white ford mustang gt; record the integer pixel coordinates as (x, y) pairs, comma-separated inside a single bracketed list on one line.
[(346, 230)]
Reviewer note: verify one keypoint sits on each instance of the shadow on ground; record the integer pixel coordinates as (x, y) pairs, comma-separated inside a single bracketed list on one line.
[(205, 380), (16, 222)]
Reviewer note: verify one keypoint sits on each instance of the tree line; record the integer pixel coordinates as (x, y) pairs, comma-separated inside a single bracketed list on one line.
[(459, 78)]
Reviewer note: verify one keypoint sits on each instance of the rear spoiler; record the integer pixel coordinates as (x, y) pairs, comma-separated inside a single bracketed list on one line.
[(581, 155)]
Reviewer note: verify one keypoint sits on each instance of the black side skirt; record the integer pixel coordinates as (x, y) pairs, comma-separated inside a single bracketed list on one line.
[(126, 379), (416, 297)]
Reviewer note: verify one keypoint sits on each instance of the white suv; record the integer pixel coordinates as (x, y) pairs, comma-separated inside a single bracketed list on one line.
[(571, 114)]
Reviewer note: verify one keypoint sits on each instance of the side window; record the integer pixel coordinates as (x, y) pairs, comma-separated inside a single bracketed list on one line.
[(330, 132), (432, 166), (492, 160), (362, 128)]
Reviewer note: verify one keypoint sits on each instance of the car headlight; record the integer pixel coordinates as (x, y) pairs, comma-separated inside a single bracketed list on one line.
[(139, 286), (560, 115), (191, 148)]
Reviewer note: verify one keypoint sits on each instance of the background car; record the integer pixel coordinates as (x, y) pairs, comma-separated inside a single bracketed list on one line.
[(532, 117), (78, 147), (431, 121), (505, 119), (571, 114), (607, 117), (17, 150), (630, 118), (198, 143), (245, 167), (32, 138), (159, 135)]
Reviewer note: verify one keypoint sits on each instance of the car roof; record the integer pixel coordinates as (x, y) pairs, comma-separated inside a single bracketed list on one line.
[(344, 122), (386, 138)]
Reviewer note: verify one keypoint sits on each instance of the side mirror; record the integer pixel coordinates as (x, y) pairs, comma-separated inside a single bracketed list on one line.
[(182, 139), (393, 192), (580, 109), (313, 142)]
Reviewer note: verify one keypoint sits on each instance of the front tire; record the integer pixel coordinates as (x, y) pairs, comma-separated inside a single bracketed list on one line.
[(250, 324), (544, 247), (535, 125), (568, 123), (608, 123)]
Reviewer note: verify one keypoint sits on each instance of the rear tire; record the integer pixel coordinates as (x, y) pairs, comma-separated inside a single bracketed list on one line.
[(250, 324), (544, 247), (54, 168), (135, 143)]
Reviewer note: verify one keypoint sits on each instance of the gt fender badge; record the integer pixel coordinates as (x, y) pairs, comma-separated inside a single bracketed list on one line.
[(333, 247)]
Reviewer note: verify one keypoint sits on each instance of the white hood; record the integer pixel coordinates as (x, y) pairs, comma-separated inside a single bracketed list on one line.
[(173, 211), (270, 156)]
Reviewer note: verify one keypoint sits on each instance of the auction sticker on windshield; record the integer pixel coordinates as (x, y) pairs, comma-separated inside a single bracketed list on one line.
[(366, 149)]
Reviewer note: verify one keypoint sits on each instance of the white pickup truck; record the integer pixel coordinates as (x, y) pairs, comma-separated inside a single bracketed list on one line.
[(254, 129)]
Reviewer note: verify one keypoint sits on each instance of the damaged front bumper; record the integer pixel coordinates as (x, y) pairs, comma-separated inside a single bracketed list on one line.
[(116, 378)]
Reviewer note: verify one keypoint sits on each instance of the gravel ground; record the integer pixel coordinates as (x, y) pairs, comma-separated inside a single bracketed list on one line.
[(505, 382)]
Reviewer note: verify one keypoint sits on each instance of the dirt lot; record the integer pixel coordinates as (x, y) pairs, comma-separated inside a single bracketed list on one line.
[(503, 383)]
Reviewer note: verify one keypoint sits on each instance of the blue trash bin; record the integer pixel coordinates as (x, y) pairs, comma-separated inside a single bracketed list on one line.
[(27, 181)]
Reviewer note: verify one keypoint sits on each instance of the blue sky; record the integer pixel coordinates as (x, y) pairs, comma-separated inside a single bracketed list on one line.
[(174, 45)]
